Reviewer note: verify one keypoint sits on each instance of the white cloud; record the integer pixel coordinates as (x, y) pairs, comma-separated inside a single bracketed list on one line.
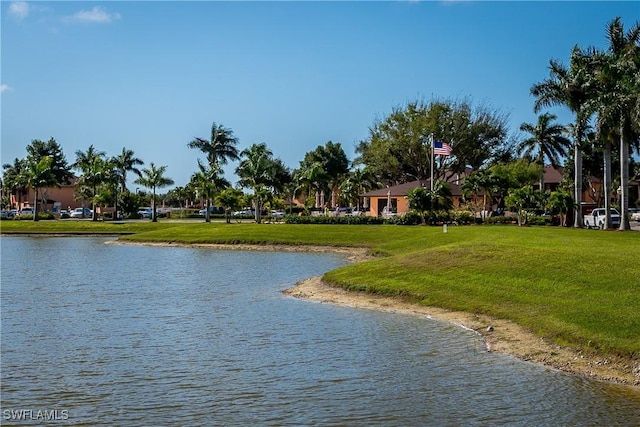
[(4, 88), (19, 9), (97, 15)]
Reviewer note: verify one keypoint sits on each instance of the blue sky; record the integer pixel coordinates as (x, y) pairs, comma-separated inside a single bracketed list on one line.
[(151, 76)]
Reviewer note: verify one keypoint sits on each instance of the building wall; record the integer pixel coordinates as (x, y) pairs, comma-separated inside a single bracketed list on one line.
[(65, 195)]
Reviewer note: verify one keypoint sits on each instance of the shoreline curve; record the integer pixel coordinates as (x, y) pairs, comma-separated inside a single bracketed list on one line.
[(498, 335)]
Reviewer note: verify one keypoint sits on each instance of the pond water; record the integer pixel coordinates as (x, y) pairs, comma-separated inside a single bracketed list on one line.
[(97, 334)]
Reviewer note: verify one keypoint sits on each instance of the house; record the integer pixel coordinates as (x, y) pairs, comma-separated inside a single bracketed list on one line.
[(396, 197), (591, 192), (51, 199)]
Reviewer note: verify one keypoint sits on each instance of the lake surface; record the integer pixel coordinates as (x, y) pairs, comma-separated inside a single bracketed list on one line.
[(97, 334)]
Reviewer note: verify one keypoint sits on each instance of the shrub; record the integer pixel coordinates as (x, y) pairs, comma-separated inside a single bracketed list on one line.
[(506, 219), (355, 220), (463, 217)]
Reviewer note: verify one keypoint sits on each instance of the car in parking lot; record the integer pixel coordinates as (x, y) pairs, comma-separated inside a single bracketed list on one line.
[(277, 214), (596, 218), (212, 210), (26, 211), (145, 212), (245, 213), (635, 214), (80, 213)]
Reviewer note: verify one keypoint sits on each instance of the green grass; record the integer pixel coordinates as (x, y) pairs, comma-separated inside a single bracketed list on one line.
[(575, 287)]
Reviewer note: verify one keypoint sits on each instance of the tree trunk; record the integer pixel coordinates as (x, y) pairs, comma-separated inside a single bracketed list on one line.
[(577, 184), (94, 212), (258, 215), (154, 217), (607, 184), (35, 204), (624, 182)]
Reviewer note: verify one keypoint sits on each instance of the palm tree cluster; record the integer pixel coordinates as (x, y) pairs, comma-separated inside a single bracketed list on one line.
[(603, 87)]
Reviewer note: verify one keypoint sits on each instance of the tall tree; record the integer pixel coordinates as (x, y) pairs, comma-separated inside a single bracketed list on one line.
[(568, 87), (357, 182), (209, 181), (126, 162), (314, 178), (256, 171), (398, 150), (334, 163), (230, 198), (95, 171), (60, 169), (13, 179), (616, 98), (219, 148), (153, 178), (546, 141), (38, 174)]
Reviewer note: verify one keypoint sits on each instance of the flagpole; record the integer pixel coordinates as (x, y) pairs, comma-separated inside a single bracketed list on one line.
[(431, 138)]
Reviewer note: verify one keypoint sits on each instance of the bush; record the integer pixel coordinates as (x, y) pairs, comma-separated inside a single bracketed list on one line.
[(356, 220), (29, 217), (411, 218), (506, 219), (463, 217)]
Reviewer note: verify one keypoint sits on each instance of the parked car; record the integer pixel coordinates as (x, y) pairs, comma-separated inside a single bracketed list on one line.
[(212, 210), (277, 214), (635, 214), (26, 211), (5, 214), (145, 212), (595, 219), (81, 212), (244, 213)]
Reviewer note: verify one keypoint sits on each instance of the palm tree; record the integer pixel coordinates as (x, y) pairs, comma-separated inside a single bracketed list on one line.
[(256, 171), (220, 147), (357, 182), (562, 202), (616, 81), (334, 162), (126, 162), (568, 87), (94, 169), (14, 179), (229, 198), (37, 174), (546, 140), (480, 181), (154, 178), (123, 163), (208, 181), (314, 176)]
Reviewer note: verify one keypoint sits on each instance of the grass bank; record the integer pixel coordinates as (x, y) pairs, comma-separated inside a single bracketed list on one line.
[(576, 288)]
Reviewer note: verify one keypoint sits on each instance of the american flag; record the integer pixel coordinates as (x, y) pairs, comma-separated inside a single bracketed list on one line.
[(441, 148)]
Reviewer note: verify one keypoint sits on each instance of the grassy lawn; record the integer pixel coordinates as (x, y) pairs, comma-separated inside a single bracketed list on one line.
[(575, 287)]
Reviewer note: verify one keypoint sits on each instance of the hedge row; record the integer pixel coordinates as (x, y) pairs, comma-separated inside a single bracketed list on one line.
[(295, 219), (410, 218)]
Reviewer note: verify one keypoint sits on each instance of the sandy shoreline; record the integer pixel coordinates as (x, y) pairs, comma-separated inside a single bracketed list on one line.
[(498, 334)]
